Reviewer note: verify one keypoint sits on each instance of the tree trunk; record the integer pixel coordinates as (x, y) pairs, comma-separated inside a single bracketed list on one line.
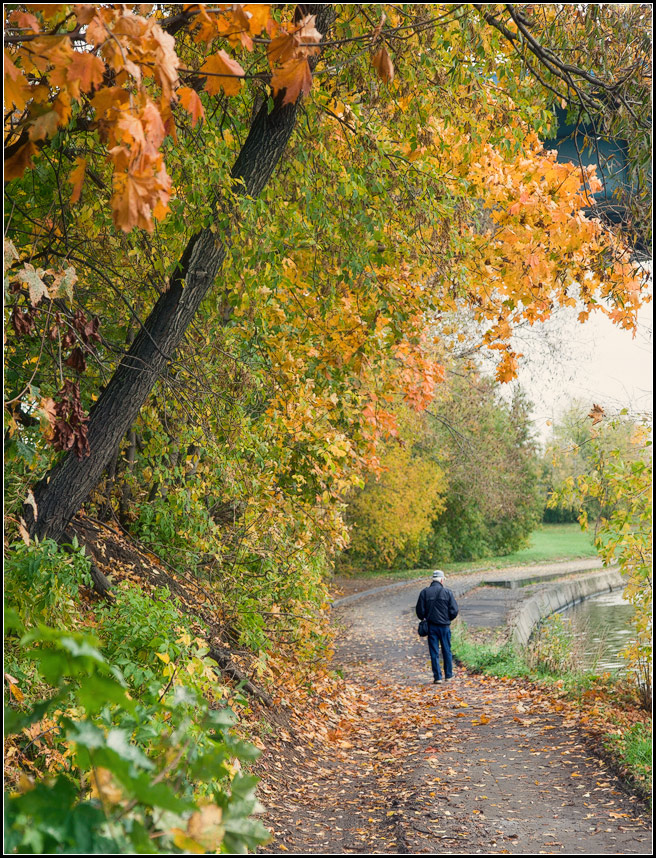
[(61, 493)]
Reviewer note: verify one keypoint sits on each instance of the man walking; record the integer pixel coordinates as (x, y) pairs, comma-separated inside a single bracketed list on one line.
[(438, 606)]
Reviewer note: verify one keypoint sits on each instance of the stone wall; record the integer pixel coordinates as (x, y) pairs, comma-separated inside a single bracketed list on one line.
[(554, 596)]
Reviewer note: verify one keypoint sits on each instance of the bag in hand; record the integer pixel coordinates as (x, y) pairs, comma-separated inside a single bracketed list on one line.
[(422, 629)]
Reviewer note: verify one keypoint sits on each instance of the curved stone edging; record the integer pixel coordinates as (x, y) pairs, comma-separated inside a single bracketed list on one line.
[(557, 596)]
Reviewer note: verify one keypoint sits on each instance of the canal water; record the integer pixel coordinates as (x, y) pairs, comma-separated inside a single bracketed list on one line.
[(602, 625)]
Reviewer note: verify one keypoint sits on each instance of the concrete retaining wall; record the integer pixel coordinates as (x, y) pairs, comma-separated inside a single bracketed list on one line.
[(555, 596)]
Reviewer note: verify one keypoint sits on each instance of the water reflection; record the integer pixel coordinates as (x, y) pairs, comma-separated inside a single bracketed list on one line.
[(603, 626)]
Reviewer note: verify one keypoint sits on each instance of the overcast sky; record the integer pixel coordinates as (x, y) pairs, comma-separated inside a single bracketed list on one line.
[(595, 362)]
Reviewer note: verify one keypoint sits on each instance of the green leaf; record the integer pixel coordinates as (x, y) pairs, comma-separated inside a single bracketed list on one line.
[(95, 692)]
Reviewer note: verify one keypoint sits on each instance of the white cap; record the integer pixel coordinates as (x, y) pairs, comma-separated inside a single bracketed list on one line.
[(438, 575)]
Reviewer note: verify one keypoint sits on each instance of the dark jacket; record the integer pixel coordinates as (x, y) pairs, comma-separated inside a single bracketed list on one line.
[(437, 604)]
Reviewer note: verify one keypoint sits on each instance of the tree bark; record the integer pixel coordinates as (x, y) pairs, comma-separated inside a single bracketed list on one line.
[(64, 489)]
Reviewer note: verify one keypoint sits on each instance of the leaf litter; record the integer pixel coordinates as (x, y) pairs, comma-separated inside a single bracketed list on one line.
[(389, 764)]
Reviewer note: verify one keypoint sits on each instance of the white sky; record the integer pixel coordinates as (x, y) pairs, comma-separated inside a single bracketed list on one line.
[(595, 362)]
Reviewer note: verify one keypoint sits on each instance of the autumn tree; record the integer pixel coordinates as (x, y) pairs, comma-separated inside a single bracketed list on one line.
[(390, 517), (491, 457), (579, 440), (142, 150), (612, 486), (458, 482)]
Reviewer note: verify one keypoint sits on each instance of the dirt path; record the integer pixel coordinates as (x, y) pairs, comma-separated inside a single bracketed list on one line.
[(477, 766)]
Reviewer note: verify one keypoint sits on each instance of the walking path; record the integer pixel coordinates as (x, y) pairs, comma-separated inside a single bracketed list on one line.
[(479, 765), (461, 582)]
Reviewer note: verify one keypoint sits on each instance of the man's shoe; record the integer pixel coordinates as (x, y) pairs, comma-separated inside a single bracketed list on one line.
[(437, 682)]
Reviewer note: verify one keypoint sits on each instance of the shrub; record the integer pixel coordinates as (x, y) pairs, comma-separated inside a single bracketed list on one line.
[(42, 580), (154, 775)]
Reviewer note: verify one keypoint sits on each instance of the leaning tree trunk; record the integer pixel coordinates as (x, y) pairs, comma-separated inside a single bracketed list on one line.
[(60, 494)]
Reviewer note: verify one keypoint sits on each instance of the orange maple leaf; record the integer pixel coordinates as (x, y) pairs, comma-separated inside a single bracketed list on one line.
[(259, 18), (44, 125), (76, 178), (596, 414), (85, 72), (191, 102), (224, 74), (17, 92), (16, 165), (294, 77)]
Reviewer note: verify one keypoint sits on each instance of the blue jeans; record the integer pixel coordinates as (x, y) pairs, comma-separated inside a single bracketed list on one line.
[(440, 636)]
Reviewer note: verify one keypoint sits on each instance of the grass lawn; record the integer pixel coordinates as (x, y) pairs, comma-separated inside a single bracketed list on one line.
[(552, 542)]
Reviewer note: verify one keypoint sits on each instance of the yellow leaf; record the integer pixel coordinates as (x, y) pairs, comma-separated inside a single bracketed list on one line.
[(16, 693), (186, 843), (205, 827), (103, 786), (164, 656)]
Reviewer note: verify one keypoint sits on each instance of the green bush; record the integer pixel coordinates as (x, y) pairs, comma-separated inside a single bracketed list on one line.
[(42, 581), (179, 525), (155, 775), (139, 631)]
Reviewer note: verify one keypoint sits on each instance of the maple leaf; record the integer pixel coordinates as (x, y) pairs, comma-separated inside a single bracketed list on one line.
[(76, 178), (16, 165), (294, 77), (137, 194), (10, 254), (110, 99), (308, 34), (596, 414), (16, 91), (47, 414), (36, 286), (507, 368), (259, 18), (48, 51), (85, 12), (298, 44), (191, 102), (131, 129), (151, 120), (76, 360), (166, 60), (225, 72), (85, 71), (45, 125), (234, 25), (24, 21), (205, 827)]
